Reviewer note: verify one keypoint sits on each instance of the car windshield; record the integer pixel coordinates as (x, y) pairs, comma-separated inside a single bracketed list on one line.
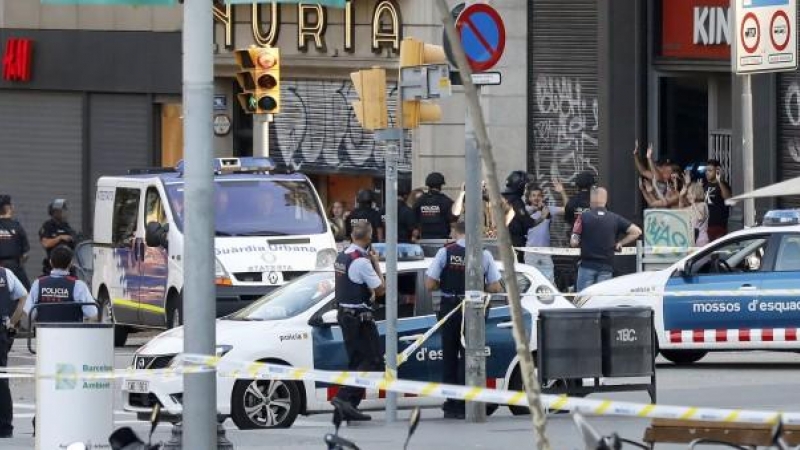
[(289, 301), (258, 207)]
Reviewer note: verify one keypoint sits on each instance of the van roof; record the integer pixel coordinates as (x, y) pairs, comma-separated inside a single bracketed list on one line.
[(168, 177)]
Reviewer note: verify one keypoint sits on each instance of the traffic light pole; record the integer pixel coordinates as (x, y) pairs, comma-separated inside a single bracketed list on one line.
[(261, 134), (200, 389), (474, 323)]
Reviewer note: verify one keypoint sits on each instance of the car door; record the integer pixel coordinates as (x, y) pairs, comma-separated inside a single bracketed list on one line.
[(736, 264), (782, 312), (127, 244), (154, 264), (499, 334)]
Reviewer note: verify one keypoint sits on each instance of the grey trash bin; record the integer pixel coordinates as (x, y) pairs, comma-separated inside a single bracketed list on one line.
[(569, 343), (628, 345)]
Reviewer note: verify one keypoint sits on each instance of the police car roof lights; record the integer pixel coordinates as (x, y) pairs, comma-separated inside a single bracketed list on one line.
[(405, 252), (782, 217), (249, 164)]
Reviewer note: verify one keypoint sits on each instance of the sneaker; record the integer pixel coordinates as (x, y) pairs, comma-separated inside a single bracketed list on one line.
[(348, 411)]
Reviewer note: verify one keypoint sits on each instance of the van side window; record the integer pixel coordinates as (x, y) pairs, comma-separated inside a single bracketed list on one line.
[(126, 213), (154, 207)]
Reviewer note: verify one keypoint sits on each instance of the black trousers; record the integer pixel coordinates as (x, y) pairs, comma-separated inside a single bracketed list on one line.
[(452, 352), (6, 403), (363, 347)]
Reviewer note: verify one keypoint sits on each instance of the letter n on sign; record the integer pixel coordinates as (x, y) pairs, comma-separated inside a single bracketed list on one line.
[(17, 59)]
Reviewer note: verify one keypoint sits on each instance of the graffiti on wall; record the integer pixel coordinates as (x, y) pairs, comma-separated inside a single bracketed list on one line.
[(566, 128), (318, 129), (791, 102)]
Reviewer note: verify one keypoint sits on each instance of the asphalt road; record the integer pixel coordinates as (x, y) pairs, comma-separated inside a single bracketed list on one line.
[(756, 380)]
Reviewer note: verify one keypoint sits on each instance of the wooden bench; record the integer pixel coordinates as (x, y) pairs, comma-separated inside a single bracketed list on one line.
[(744, 434)]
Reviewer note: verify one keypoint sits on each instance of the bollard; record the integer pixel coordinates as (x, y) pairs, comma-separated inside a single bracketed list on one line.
[(176, 443)]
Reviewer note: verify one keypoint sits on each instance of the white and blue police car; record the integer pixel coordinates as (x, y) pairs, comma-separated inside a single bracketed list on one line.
[(711, 300), (296, 326)]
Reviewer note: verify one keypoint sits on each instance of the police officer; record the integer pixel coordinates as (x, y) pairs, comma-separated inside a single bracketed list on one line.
[(11, 289), (14, 246), (522, 221), (358, 281), (365, 213), (407, 229), (448, 273), (60, 288), (434, 210), (56, 231), (580, 202)]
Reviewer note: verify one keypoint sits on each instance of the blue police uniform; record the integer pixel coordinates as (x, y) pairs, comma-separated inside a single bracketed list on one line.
[(59, 288), (11, 289), (449, 269), (355, 276)]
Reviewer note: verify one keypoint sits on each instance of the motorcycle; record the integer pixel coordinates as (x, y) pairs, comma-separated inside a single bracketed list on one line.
[(126, 439), (336, 442)]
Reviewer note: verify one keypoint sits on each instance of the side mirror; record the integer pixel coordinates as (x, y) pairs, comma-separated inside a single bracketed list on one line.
[(331, 317), (157, 235), (685, 270)]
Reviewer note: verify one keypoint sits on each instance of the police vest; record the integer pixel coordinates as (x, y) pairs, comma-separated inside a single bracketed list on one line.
[(348, 293), (6, 307), (434, 221), (56, 294), (454, 272), (364, 215)]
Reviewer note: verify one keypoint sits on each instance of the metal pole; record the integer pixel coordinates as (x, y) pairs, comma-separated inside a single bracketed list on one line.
[(200, 394), (526, 365), (474, 324), (391, 274), (261, 134), (747, 149)]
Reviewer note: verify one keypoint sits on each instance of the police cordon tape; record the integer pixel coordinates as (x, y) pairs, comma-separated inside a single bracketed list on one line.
[(405, 354), (376, 381), (626, 251)]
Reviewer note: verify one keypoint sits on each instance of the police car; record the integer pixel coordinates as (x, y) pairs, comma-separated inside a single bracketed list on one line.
[(699, 317), (296, 325), (270, 229)]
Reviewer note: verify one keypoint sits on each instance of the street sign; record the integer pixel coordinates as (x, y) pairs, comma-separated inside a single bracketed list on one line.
[(766, 39), (483, 36), (486, 78)]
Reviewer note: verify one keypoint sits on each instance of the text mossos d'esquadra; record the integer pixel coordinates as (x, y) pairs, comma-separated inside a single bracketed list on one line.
[(779, 306)]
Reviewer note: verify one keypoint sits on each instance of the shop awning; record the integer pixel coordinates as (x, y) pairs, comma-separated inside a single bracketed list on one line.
[(782, 189)]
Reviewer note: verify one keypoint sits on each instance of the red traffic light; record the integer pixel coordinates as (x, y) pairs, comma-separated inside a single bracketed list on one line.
[(267, 103), (267, 81), (266, 59)]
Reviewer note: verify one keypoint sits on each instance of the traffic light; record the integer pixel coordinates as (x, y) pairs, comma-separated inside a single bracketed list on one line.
[(370, 85), (260, 79), (414, 52)]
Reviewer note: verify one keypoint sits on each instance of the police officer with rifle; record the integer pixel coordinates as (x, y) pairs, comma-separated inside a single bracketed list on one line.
[(434, 210), (448, 273), (14, 246)]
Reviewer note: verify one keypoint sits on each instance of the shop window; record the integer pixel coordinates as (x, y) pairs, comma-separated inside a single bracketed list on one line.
[(126, 214), (171, 134)]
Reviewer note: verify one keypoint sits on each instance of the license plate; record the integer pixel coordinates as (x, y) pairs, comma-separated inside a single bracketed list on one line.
[(137, 387)]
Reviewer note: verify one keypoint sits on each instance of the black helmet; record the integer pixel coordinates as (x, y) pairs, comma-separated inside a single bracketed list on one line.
[(516, 181), (403, 187), (434, 180), (364, 196), (584, 180), (58, 204)]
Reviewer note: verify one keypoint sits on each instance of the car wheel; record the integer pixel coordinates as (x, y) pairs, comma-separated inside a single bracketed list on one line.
[(683, 357), (174, 311), (263, 404), (106, 312)]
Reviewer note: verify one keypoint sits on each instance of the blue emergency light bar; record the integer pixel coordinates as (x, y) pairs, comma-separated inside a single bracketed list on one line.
[(782, 217), (405, 252), (248, 164)]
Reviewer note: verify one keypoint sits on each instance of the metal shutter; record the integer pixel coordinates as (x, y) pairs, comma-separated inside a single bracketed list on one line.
[(317, 131), (789, 131), (119, 137), (562, 94), (41, 144)]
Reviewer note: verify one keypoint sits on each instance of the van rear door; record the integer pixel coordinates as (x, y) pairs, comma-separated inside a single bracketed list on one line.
[(127, 242)]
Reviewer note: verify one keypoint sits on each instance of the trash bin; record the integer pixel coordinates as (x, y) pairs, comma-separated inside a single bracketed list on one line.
[(569, 343), (628, 349), (72, 403)]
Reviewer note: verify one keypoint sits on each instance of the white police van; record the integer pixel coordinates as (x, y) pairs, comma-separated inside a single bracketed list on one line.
[(270, 229), (713, 300)]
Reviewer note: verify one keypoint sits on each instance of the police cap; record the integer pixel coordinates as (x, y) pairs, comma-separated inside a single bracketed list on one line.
[(516, 181), (58, 204), (364, 196), (434, 180)]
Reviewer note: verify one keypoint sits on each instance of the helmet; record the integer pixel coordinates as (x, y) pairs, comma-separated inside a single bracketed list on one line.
[(434, 179), (403, 187), (364, 196), (56, 205), (516, 181), (584, 180)]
